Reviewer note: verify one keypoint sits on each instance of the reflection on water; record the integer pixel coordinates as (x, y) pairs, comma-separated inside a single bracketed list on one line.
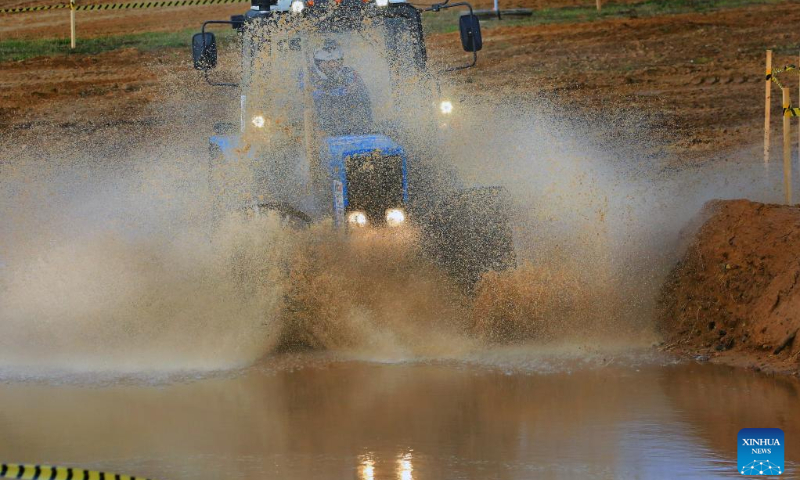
[(367, 469), (404, 467), (326, 419)]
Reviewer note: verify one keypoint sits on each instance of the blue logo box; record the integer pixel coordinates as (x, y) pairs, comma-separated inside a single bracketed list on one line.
[(760, 451)]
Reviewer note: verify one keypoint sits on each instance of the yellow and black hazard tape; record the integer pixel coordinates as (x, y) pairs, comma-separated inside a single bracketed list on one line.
[(773, 74), (791, 111), (41, 472), (120, 6), (40, 8)]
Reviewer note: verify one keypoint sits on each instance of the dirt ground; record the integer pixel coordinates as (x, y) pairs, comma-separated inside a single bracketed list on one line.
[(734, 298), (697, 77), (54, 23)]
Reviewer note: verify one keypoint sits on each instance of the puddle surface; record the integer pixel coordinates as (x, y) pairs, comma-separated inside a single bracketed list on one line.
[(322, 419)]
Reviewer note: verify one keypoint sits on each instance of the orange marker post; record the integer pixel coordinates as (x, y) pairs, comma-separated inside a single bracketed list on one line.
[(766, 108), (72, 24), (787, 147)]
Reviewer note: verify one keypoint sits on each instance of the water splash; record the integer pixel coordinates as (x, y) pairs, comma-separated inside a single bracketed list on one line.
[(111, 261)]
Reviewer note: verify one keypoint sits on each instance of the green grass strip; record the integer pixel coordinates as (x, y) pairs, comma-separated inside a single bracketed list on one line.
[(13, 50), (446, 22)]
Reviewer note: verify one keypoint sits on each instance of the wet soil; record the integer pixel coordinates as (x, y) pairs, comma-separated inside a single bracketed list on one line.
[(734, 298)]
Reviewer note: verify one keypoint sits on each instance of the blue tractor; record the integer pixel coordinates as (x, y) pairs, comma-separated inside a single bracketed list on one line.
[(340, 119)]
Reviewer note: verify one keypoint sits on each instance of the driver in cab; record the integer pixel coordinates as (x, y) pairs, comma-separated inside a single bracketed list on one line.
[(341, 98)]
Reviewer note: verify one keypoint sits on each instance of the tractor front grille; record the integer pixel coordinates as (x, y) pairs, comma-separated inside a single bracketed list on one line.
[(374, 183)]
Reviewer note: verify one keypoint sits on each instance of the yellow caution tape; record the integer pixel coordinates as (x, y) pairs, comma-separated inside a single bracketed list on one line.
[(791, 111), (121, 6), (773, 74), (41, 472), (33, 9)]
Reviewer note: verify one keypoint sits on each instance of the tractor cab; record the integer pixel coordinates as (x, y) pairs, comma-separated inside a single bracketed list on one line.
[(321, 77)]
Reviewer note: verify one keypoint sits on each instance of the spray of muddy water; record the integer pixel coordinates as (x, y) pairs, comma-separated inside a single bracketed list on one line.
[(115, 271), (111, 261)]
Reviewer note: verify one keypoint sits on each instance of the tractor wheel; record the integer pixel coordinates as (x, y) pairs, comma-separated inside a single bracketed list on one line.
[(469, 233)]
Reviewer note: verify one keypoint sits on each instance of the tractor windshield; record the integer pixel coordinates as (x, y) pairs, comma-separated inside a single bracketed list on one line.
[(352, 72)]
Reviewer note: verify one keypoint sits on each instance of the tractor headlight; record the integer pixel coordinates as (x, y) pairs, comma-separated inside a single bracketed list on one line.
[(382, 3), (395, 217), (446, 107), (357, 219), (297, 6), (258, 121)]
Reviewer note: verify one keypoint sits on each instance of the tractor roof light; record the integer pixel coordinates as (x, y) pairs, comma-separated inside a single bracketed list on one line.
[(357, 219), (446, 107), (297, 6), (395, 217)]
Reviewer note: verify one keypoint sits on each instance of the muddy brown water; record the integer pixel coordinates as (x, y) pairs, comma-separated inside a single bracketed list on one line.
[(309, 417)]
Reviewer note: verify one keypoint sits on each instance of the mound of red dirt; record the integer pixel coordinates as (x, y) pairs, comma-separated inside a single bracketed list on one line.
[(735, 296)]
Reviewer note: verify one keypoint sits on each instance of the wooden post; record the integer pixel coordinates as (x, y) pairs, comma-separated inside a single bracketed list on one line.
[(599, 4), (787, 148), (766, 108), (72, 24)]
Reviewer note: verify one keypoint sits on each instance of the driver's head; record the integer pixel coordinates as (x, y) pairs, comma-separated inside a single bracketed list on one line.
[(329, 59)]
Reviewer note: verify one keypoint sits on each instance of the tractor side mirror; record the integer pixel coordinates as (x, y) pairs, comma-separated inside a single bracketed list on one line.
[(237, 21), (470, 28), (204, 51)]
